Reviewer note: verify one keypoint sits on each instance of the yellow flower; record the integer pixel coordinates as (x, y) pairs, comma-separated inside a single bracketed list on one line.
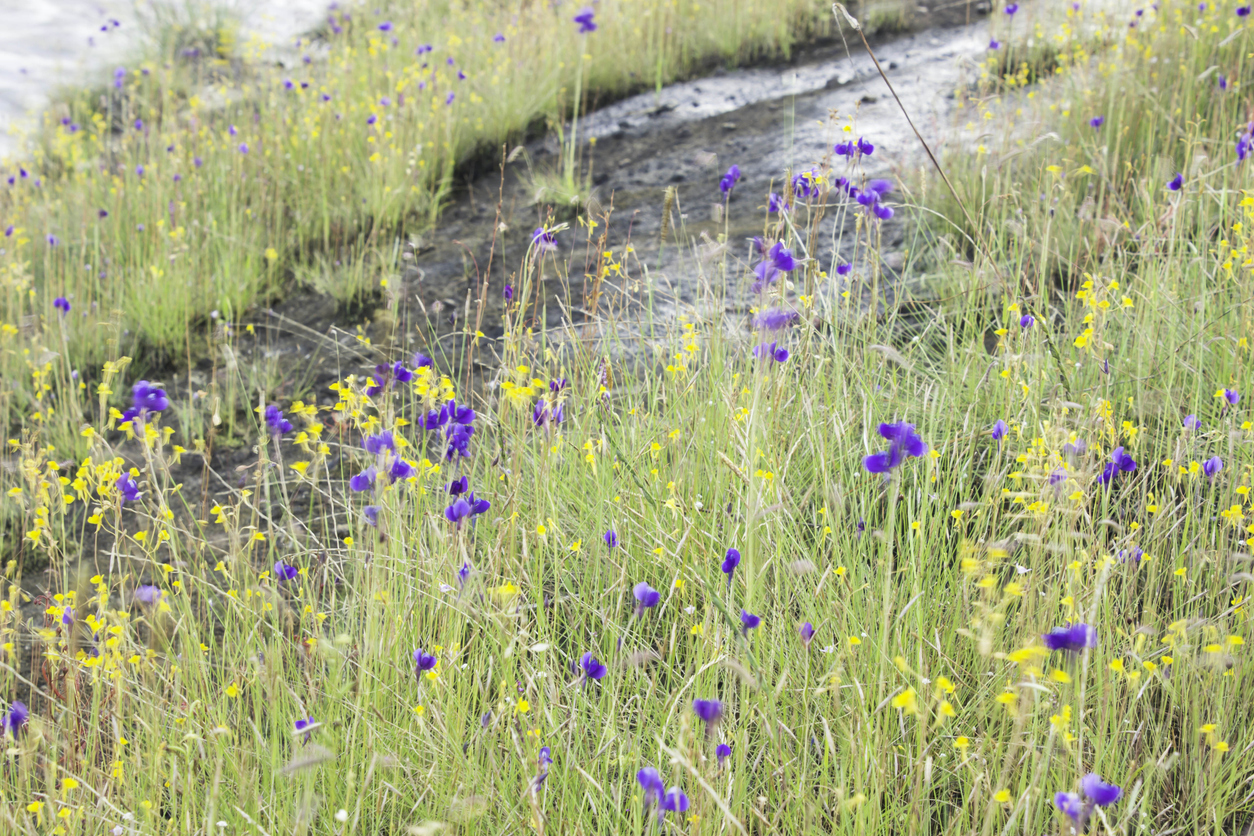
[(232, 690), (522, 707), (907, 701), (962, 743), (1002, 796)]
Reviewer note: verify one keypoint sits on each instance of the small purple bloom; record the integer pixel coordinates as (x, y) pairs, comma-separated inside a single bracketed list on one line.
[(385, 26), (730, 562), (1027, 321), (1120, 462), (994, 44), (148, 594), (285, 571), (363, 481), (776, 204), (1192, 422), (709, 711), (1096, 121), (15, 719), (611, 538), (1070, 805), (651, 782), (543, 240), (843, 269), (130, 491), (62, 304), (53, 240), (498, 38), (1000, 429), (807, 634), (377, 443), (305, 726), (371, 513), (771, 351), (584, 19), (1098, 791), (1176, 182), (277, 424), (722, 752), (865, 148), (1232, 397), (748, 621), (646, 597), (729, 181), (1243, 11), (1071, 639), (423, 661), (903, 443), (775, 319), (508, 292), (592, 667), (1212, 466), (675, 801), (464, 508), (1012, 8)]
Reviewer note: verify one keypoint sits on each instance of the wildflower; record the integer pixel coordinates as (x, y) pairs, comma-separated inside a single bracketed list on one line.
[(544, 759), (1212, 466), (1027, 321), (1192, 422), (1012, 8), (1120, 462), (709, 711), (305, 726), (148, 594), (871, 197), (584, 19), (508, 293), (1071, 639), (775, 319), (778, 259), (545, 413), (1096, 121), (543, 240), (807, 634), (675, 802), (1222, 81), (1243, 11), (285, 572), (611, 538), (651, 782), (843, 269), (145, 398), (722, 752), (1000, 429), (730, 562), (1229, 395), (729, 181), (423, 662), (1175, 183), (15, 718), (126, 485), (776, 204), (385, 26), (748, 621), (903, 442), (62, 304), (994, 44), (377, 443), (277, 424), (865, 148), (363, 481), (771, 351), (1098, 791), (498, 38), (646, 597), (592, 667), (1070, 805), (371, 513), (807, 183), (464, 508)]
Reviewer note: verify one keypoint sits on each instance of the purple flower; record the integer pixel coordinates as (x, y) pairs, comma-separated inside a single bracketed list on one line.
[(67, 617), (592, 667), (729, 180), (843, 269), (807, 634), (508, 292), (420, 360), (148, 594), (498, 38), (748, 621), (994, 44), (1176, 182), (730, 562), (1012, 8), (1000, 429), (722, 752), (584, 19), (1120, 462), (651, 782), (376, 444), (1070, 805), (1074, 449), (1071, 639), (458, 486), (400, 470), (130, 491), (775, 319), (1231, 396), (277, 424), (865, 148), (1096, 121), (385, 26), (62, 304), (243, 147), (871, 197), (1212, 466), (371, 513), (306, 726), (545, 413), (285, 571), (806, 184), (771, 351), (15, 719), (1027, 321), (543, 240), (674, 802), (646, 597), (1243, 11), (1192, 422), (775, 203), (708, 710), (463, 574), (363, 481), (145, 397), (611, 538), (1098, 791), (1222, 81), (464, 508), (423, 661), (53, 240), (903, 442), (778, 259)]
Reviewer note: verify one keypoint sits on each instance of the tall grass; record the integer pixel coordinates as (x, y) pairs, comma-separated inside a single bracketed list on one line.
[(927, 700)]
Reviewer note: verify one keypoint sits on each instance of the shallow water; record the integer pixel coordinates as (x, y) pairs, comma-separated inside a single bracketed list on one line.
[(48, 43)]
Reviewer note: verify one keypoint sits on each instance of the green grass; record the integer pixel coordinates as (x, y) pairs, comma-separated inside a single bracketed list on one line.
[(926, 702)]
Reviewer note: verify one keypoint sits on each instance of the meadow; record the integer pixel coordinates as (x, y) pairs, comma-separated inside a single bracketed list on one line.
[(968, 558)]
